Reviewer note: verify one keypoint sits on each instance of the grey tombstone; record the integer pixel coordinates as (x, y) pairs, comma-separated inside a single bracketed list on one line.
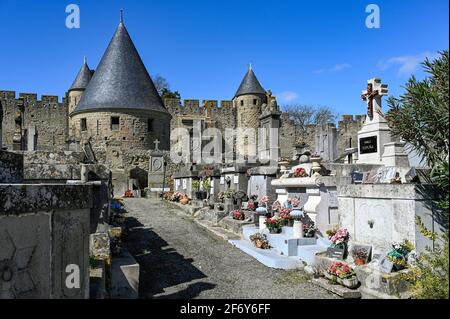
[(156, 169)]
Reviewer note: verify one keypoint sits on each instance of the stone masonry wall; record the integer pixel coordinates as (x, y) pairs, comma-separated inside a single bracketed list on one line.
[(132, 132), (48, 116)]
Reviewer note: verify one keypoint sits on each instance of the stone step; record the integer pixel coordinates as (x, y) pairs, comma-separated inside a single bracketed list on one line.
[(124, 276), (216, 230), (268, 257), (339, 290)]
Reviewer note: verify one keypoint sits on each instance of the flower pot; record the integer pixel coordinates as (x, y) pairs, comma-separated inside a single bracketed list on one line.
[(350, 283), (360, 261), (332, 278), (275, 230), (184, 201)]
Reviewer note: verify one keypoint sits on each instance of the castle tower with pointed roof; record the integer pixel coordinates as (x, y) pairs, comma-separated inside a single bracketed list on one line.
[(119, 105), (248, 101)]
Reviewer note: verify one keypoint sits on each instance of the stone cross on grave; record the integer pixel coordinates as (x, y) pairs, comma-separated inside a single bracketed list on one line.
[(375, 91), (156, 142)]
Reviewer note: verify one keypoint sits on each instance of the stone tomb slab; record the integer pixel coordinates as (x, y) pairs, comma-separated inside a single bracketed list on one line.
[(25, 247)]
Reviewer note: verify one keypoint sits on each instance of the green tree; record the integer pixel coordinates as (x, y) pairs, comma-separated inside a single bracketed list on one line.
[(420, 117)]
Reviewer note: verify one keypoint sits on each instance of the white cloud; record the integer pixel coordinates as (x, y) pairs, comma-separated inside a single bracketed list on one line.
[(287, 96), (335, 68), (407, 64)]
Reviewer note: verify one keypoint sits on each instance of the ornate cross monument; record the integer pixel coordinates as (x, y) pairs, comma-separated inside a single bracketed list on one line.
[(375, 131), (375, 145), (156, 169), (375, 91)]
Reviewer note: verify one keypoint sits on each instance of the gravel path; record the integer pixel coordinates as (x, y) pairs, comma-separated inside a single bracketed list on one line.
[(179, 259)]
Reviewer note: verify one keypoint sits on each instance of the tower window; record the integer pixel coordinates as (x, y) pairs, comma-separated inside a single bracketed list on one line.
[(255, 102), (115, 122), (242, 102), (150, 125), (83, 125)]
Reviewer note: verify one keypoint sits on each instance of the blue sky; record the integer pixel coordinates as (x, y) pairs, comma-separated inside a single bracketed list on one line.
[(312, 52)]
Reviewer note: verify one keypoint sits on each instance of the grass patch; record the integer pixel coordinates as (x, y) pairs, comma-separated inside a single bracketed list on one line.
[(292, 277)]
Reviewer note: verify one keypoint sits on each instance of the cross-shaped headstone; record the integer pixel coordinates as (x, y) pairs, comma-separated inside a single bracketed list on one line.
[(156, 142), (374, 90)]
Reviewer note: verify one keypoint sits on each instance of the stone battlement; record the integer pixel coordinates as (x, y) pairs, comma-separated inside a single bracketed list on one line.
[(29, 97), (196, 106)]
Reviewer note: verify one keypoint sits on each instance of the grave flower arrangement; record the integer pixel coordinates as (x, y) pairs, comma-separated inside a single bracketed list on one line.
[(399, 254), (221, 196), (238, 215), (129, 194), (276, 206), (251, 205), (264, 200), (309, 230), (176, 197), (341, 273), (274, 225), (286, 218), (300, 172), (229, 193), (260, 241), (340, 239), (360, 255)]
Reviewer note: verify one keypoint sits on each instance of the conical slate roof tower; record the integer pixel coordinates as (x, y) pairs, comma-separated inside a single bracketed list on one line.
[(121, 80), (83, 77), (250, 85)]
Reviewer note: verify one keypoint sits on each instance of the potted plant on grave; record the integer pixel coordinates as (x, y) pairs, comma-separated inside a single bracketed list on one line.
[(300, 172), (399, 255), (274, 225), (264, 200), (343, 274), (340, 240), (309, 230), (238, 215), (254, 198), (207, 186), (251, 205), (286, 218), (221, 196), (276, 207), (360, 255), (260, 241)]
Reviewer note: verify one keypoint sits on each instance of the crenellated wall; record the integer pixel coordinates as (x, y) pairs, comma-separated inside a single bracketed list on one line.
[(47, 115)]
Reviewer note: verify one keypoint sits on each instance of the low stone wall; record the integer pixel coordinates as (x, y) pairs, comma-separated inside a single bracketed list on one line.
[(380, 214), (11, 167), (44, 241)]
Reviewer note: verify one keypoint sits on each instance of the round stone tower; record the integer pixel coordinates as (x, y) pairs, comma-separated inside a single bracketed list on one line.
[(248, 101), (78, 87), (120, 106)]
